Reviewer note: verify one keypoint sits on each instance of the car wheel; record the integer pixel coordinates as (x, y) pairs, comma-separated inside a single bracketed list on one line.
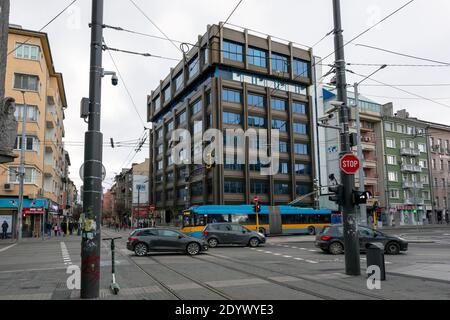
[(254, 242), (392, 248), (212, 243), (336, 248), (312, 231), (193, 248), (140, 249)]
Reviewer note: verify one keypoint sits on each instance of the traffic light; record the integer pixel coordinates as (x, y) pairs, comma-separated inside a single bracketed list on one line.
[(360, 197), (338, 194), (257, 207)]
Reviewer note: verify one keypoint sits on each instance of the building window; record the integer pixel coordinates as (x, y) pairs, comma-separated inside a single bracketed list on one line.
[(27, 51), (233, 167), (31, 144), (259, 187), (198, 127), (256, 122), (160, 149), (393, 176), (284, 168), (390, 143), (426, 195), (157, 103), (434, 164), (279, 125), (424, 179), (279, 63), (30, 175), (232, 51), (400, 128), (205, 55), (181, 193), (160, 165), (300, 148), (422, 147), (254, 100), (302, 169), (178, 81), (159, 133), (26, 82), (299, 107), (278, 104), (394, 194), (392, 160), (197, 189), (169, 160), (32, 113), (193, 67), (284, 148), (282, 188), (388, 126), (257, 57), (231, 96), (441, 165), (300, 128), (170, 126), (181, 118), (196, 107), (301, 68), (167, 94), (233, 186), (302, 189), (231, 118)]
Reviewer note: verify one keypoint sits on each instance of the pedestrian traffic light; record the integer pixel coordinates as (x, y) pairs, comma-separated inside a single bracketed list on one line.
[(359, 197), (338, 194), (257, 208)]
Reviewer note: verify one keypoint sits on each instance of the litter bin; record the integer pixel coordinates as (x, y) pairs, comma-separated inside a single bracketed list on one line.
[(375, 257)]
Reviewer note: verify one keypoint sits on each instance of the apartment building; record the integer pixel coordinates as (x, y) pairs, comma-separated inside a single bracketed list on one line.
[(408, 175), (233, 79), (31, 80)]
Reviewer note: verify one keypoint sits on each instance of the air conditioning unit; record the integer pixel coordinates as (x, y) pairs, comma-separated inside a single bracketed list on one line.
[(8, 187)]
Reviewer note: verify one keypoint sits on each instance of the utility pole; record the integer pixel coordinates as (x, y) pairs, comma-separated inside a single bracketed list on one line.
[(351, 241), (23, 145), (92, 199), (4, 27)]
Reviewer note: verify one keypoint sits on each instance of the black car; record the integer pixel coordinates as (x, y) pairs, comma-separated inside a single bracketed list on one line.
[(231, 233), (331, 240), (142, 241)]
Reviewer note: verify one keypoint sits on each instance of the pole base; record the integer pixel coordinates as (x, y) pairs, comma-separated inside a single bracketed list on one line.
[(115, 288)]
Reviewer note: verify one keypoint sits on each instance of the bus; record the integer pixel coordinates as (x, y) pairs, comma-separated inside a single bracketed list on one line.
[(273, 220)]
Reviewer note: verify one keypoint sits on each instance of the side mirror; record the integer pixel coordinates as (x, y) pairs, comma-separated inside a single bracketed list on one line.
[(180, 236)]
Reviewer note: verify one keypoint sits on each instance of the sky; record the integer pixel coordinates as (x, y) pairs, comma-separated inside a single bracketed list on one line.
[(421, 29)]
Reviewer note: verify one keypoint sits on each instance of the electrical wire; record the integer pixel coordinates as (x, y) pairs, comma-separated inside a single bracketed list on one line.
[(399, 65), (144, 54)]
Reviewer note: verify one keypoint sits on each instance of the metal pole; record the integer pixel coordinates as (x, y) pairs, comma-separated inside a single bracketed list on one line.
[(92, 198), (4, 27), (22, 168), (362, 207), (351, 241), (139, 200)]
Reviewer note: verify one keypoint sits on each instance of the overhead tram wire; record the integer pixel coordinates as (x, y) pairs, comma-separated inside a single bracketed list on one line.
[(399, 65), (45, 26)]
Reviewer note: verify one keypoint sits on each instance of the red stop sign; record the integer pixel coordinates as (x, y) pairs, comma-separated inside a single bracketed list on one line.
[(349, 164), (255, 199)]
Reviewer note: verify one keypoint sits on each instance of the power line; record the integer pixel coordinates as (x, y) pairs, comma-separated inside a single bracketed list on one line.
[(45, 26), (402, 98), (403, 54), (144, 54), (408, 85), (399, 65)]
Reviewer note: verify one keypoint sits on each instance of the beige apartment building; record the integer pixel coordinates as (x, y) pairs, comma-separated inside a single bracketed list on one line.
[(31, 80)]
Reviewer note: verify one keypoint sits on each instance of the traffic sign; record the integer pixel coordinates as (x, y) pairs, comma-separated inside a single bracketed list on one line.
[(349, 164), (255, 199)]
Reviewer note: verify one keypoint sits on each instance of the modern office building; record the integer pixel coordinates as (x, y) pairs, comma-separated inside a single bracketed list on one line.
[(233, 79), (31, 79), (408, 176)]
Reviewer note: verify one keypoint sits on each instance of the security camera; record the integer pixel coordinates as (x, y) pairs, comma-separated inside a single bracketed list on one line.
[(114, 80)]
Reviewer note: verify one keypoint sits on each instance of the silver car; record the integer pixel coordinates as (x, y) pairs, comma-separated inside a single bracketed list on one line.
[(231, 233)]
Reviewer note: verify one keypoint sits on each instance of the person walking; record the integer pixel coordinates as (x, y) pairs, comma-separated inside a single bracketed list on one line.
[(5, 227), (70, 228), (55, 229)]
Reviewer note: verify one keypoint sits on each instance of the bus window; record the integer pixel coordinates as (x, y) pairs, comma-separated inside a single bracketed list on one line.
[(239, 218), (200, 220), (263, 219)]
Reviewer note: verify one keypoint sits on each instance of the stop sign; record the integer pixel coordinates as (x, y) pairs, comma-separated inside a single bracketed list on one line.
[(255, 199), (349, 164)]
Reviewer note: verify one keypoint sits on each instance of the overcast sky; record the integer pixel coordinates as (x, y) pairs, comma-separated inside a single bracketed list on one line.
[(421, 29)]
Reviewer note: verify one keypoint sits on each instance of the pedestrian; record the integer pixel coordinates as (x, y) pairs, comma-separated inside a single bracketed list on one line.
[(70, 228), (55, 229), (117, 227), (5, 227)]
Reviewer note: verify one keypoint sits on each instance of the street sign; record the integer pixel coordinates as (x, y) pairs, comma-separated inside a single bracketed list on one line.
[(82, 172), (255, 199), (349, 164)]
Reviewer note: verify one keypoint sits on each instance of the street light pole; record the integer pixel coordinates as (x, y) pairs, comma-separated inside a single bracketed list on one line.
[(22, 169), (92, 200)]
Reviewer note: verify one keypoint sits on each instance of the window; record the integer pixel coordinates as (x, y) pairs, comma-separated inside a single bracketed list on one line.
[(159, 133), (198, 127), (170, 126), (282, 188), (193, 67), (233, 167), (197, 189), (160, 149), (388, 126), (400, 128), (410, 130), (284, 168), (284, 147), (279, 125), (393, 176), (278, 104), (441, 165), (302, 189), (27, 51), (232, 51), (390, 143), (259, 187), (256, 122), (301, 68), (411, 144), (30, 175), (169, 160), (424, 179), (300, 148), (167, 94), (257, 57), (196, 107), (254, 100), (392, 160), (231, 118), (232, 96), (426, 195), (422, 147), (300, 128), (279, 63), (434, 164), (299, 107), (181, 193), (31, 144), (178, 81), (181, 118), (302, 169), (233, 186), (32, 113), (205, 55), (394, 193), (26, 82), (157, 103), (160, 165)]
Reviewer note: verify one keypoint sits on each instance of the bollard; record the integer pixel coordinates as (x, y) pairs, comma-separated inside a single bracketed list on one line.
[(375, 257)]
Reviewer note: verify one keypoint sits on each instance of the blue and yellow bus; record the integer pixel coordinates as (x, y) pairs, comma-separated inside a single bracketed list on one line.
[(273, 220)]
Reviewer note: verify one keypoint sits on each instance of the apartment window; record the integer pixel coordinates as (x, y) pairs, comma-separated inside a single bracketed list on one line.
[(424, 179), (284, 147), (27, 51), (257, 57), (205, 55), (441, 165), (160, 165), (400, 128), (181, 118), (278, 104), (259, 187), (160, 149), (31, 144), (410, 130), (422, 147), (393, 176), (423, 164), (170, 126), (167, 93), (233, 186), (282, 188), (301, 68), (411, 144), (197, 189), (231, 96), (300, 128), (299, 107), (170, 195), (254, 100), (231, 118), (178, 81), (30, 175), (426, 195), (159, 133), (392, 160), (302, 169), (302, 189), (434, 164), (232, 51), (279, 63), (169, 160), (390, 143), (196, 107), (32, 113), (388, 126), (198, 127), (394, 194), (284, 168), (300, 148), (193, 67), (279, 125), (256, 122), (26, 82), (181, 193), (157, 103)]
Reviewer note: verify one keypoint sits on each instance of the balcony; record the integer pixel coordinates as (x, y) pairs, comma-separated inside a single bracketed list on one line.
[(410, 152), (370, 163), (411, 168), (412, 185), (416, 201)]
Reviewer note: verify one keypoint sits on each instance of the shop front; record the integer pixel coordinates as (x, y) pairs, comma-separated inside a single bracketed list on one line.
[(33, 222)]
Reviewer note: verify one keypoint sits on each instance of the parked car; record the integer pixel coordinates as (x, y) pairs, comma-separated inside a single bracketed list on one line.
[(143, 241), (331, 240), (231, 233)]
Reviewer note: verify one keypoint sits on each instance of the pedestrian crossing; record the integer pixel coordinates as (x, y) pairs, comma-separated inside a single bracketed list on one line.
[(65, 254)]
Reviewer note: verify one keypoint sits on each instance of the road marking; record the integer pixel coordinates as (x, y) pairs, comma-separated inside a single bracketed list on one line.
[(285, 279), (267, 252), (236, 283), (8, 247), (277, 254), (299, 259), (310, 261), (312, 250), (65, 254), (287, 256), (303, 249)]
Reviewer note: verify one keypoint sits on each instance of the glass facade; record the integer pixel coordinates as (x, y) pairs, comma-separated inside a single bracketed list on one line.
[(279, 63), (257, 57), (232, 51)]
